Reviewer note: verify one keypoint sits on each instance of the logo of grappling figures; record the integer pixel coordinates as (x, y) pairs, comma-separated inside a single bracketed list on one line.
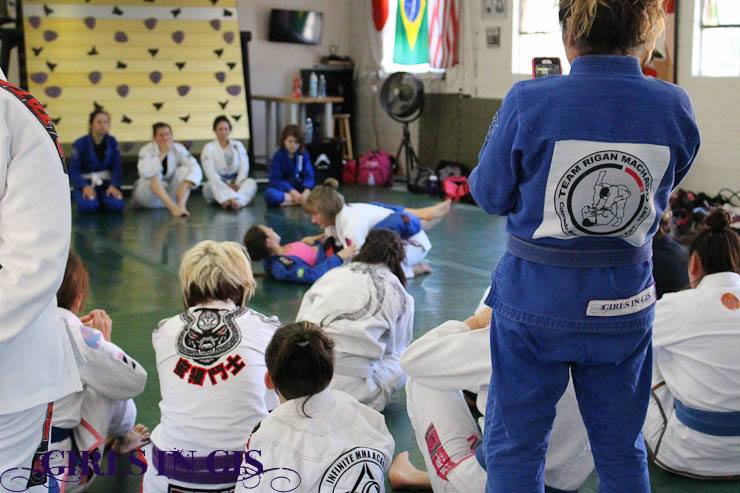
[(606, 193), (608, 205)]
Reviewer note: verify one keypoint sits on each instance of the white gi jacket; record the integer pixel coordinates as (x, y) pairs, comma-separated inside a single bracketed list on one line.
[(149, 164), (370, 316), (36, 360), (342, 446), (453, 357), (211, 367), (219, 173), (354, 222), (696, 338), (104, 367)]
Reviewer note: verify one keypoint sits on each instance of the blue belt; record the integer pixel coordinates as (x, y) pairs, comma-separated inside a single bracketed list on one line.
[(229, 178), (60, 434), (715, 423), (559, 257)]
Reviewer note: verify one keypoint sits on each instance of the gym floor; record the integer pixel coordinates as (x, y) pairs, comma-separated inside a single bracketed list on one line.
[(134, 260)]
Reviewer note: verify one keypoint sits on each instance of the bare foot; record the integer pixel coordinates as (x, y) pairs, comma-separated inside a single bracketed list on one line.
[(134, 439), (422, 268), (179, 211), (442, 209), (404, 476)]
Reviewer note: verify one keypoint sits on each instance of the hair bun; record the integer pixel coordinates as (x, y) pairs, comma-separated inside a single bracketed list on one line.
[(718, 220), (332, 183)]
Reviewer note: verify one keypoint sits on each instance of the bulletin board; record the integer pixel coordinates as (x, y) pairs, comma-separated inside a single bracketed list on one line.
[(176, 61)]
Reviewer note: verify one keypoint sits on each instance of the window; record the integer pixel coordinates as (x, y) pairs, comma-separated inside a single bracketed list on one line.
[(536, 34), (718, 38)]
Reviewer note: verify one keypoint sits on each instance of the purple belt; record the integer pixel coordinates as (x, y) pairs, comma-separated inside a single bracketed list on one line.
[(219, 467)]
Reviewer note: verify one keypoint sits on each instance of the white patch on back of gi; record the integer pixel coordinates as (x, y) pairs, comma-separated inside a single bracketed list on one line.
[(602, 189), (359, 470), (627, 306)]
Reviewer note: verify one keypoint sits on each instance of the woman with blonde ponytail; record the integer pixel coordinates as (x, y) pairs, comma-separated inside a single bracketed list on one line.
[(582, 166)]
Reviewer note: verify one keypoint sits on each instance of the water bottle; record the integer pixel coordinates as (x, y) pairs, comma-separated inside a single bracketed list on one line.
[(322, 86), (433, 186), (309, 130), (313, 85)]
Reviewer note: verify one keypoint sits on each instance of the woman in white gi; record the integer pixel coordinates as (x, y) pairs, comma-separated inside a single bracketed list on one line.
[(226, 166), (167, 173), (36, 360), (211, 366), (349, 224), (110, 377), (318, 439), (441, 364), (693, 419), (366, 309)]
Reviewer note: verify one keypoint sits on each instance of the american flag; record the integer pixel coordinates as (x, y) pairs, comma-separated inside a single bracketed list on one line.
[(444, 34)]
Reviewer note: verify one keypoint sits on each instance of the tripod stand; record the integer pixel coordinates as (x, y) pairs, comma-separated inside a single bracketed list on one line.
[(412, 160)]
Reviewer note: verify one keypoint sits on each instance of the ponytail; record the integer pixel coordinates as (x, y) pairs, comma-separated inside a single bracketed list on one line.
[(717, 244), (300, 360), (383, 246)]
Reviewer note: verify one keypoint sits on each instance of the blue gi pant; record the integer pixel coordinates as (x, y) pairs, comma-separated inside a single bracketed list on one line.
[(402, 222), (531, 365), (274, 196), (101, 201)]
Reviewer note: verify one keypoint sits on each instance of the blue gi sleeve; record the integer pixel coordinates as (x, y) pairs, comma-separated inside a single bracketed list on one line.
[(293, 269), (494, 182), (116, 173), (277, 174), (308, 180), (74, 164), (691, 140)]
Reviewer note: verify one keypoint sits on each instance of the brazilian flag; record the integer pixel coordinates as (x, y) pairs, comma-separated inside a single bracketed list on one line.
[(412, 33)]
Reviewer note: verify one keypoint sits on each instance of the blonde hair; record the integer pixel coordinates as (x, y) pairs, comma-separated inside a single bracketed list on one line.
[(611, 26), (325, 200), (213, 271)]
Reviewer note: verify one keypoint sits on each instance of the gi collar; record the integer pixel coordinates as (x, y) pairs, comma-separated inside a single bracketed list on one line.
[(606, 65), (720, 280), (317, 404), (216, 305)]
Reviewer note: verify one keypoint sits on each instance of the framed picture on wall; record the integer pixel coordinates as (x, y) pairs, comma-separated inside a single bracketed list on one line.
[(493, 36), (663, 63)]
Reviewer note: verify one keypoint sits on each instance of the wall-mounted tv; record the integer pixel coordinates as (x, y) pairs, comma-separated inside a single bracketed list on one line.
[(296, 26)]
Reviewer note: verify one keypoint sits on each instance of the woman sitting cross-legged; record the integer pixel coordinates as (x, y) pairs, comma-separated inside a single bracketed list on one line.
[(110, 377), (318, 439), (95, 168), (211, 367), (302, 262), (365, 308), (693, 419), (167, 173), (226, 165), (291, 172)]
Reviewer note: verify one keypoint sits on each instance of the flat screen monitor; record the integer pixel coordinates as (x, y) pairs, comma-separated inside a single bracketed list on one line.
[(296, 26)]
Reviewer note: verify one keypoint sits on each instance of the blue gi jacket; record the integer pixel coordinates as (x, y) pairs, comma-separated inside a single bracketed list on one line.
[(84, 160), (583, 163), (287, 174), (293, 269)]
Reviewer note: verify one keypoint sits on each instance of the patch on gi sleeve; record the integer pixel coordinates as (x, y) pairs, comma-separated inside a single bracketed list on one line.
[(301, 272), (91, 337), (287, 262)]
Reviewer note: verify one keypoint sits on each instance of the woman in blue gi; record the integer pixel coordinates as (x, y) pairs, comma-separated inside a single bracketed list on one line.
[(302, 262), (291, 171), (583, 166), (95, 168)]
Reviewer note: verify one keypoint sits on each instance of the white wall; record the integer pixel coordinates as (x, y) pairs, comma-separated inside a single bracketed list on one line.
[(273, 65), (486, 73)]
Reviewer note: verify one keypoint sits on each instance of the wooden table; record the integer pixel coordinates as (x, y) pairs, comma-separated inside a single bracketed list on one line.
[(297, 115)]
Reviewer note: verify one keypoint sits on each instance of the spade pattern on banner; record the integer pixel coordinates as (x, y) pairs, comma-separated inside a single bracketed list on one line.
[(141, 60)]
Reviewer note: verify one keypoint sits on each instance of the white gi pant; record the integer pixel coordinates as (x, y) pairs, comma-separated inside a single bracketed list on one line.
[(376, 387), (21, 434), (155, 483), (101, 418), (417, 248), (443, 423), (144, 197), (245, 195)]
